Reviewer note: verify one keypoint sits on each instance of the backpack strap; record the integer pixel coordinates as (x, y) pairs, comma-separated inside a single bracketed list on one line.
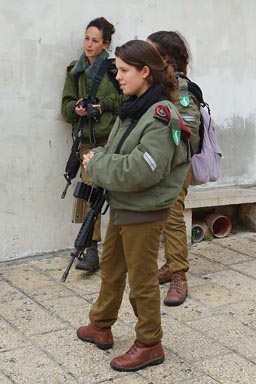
[(186, 85), (189, 86)]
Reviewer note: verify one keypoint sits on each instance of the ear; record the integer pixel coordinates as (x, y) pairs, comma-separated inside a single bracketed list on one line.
[(165, 58), (106, 44), (145, 72)]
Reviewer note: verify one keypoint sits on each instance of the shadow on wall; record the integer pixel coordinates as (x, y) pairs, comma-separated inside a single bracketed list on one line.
[(237, 140)]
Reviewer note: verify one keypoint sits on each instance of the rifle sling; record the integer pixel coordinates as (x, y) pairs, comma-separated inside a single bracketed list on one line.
[(86, 191), (133, 123)]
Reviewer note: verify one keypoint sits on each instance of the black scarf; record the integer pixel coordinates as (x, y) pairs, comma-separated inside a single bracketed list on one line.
[(135, 107)]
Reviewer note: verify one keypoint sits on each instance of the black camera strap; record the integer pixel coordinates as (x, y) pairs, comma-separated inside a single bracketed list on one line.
[(93, 92), (97, 79)]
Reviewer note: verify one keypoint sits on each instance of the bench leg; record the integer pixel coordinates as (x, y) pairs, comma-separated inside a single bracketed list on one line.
[(188, 221)]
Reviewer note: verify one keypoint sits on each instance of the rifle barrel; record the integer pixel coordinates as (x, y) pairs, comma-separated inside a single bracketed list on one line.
[(66, 272), (65, 190)]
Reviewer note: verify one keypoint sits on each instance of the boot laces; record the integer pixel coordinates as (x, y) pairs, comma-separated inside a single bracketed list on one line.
[(164, 268), (177, 283), (132, 350)]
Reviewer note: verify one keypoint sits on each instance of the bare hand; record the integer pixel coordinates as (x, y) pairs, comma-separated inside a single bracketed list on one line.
[(87, 158), (82, 111), (98, 107), (79, 110)]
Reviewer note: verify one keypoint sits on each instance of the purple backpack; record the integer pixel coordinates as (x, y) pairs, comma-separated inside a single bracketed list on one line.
[(206, 164)]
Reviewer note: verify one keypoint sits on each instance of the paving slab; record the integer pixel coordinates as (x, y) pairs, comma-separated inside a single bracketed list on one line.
[(30, 317), (210, 339), (79, 358), (241, 243), (229, 332), (243, 285), (31, 365), (11, 338), (191, 310), (174, 368), (199, 380), (4, 379), (9, 293), (213, 295), (73, 309), (230, 369), (247, 268), (178, 336), (201, 265), (220, 254), (244, 312)]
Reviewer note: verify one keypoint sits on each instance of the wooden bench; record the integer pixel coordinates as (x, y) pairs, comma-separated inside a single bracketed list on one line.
[(214, 197)]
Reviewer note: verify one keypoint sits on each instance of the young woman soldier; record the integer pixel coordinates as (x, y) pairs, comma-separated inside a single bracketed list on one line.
[(80, 79), (175, 53), (142, 173)]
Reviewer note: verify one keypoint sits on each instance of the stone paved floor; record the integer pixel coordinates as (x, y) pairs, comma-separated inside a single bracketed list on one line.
[(209, 339)]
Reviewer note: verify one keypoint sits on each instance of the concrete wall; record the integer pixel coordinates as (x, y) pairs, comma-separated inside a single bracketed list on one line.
[(38, 40)]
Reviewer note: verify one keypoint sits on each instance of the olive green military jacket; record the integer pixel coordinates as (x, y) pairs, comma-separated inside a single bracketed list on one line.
[(189, 109), (150, 170), (79, 87)]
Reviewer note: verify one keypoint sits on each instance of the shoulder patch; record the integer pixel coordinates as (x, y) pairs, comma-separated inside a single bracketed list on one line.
[(184, 101), (163, 113), (176, 134)]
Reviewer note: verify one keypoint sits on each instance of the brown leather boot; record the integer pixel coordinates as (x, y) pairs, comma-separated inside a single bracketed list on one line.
[(101, 337), (164, 274), (139, 356), (178, 289)]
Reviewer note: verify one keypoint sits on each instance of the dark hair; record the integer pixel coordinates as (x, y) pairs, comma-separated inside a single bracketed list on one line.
[(103, 25), (139, 53), (173, 46)]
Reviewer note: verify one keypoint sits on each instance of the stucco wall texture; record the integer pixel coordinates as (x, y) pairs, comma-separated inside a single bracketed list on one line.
[(40, 38)]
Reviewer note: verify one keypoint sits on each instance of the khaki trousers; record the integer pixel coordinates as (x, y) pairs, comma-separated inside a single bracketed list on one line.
[(81, 207), (131, 249), (175, 235)]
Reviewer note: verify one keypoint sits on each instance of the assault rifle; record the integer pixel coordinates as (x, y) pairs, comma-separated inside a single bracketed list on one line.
[(95, 196), (73, 163)]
